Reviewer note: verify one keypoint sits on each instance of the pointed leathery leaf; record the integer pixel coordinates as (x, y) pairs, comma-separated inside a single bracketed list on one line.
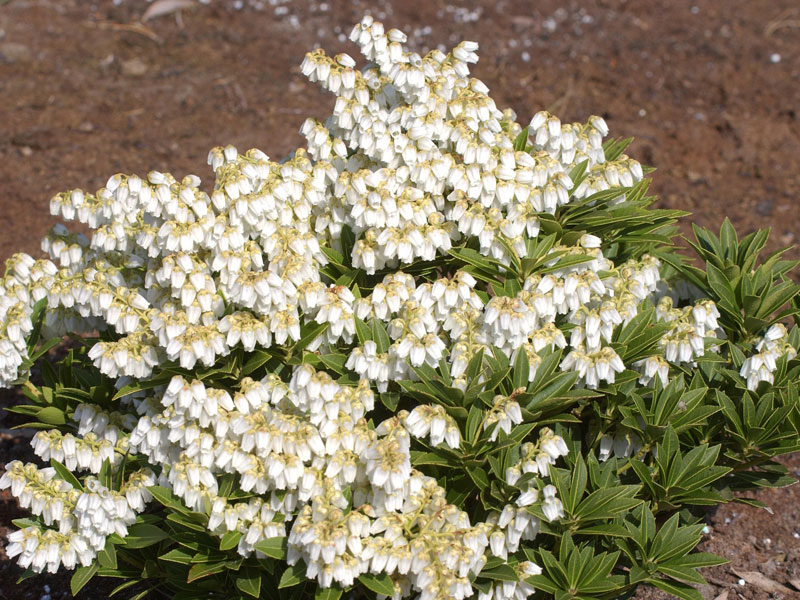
[(81, 577), (521, 369), (729, 240), (292, 576), (577, 485), (676, 588), (380, 584), (667, 453), (544, 582), (641, 534), (521, 141), (575, 563), (560, 479), (275, 547), (696, 560), (473, 423), (66, 474), (608, 503), (502, 572), (363, 331), (333, 592), (555, 570), (750, 247), (673, 540), (606, 530)]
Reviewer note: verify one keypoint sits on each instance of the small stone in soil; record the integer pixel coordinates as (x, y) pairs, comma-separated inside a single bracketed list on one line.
[(134, 67), (12, 52)]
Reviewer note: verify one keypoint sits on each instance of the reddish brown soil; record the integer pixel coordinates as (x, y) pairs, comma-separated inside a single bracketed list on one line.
[(709, 89)]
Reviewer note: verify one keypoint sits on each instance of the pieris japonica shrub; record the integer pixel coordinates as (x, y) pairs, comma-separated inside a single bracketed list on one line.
[(433, 355)]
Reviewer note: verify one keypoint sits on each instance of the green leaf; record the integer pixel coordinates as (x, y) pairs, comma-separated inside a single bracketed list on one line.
[(124, 586), (681, 590), (24, 522), (613, 148), (314, 331), (51, 415), (41, 351), (520, 143), (202, 570), (728, 239), (142, 535), (141, 595), (605, 530), (493, 269), (567, 261), (390, 400), (379, 335), (292, 576), (722, 288), (696, 560), (177, 556), (479, 477), (429, 458), (257, 360), (473, 422), (165, 497), (330, 593), (348, 240), (608, 503), (230, 540), (380, 584), (521, 369), (139, 386), (81, 577), (275, 547), (363, 332), (194, 521), (334, 256), (500, 573), (104, 475), (108, 556), (335, 362), (66, 474), (680, 573), (37, 319), (248, 581), (475, 364), (577, 485)]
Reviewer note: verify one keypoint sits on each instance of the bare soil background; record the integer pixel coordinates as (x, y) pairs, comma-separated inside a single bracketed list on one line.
[(709, 89)]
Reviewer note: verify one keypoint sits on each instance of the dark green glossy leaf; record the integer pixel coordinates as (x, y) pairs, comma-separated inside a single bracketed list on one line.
[(81, 577)]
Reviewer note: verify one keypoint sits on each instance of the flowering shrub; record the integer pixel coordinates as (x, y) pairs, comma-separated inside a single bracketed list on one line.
[(433, 355)]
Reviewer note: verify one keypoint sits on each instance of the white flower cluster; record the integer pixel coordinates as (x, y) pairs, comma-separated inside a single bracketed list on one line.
[(623, 444), (22, 286), (415, 160), (761, 366), (84, 518), (684, 341)]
